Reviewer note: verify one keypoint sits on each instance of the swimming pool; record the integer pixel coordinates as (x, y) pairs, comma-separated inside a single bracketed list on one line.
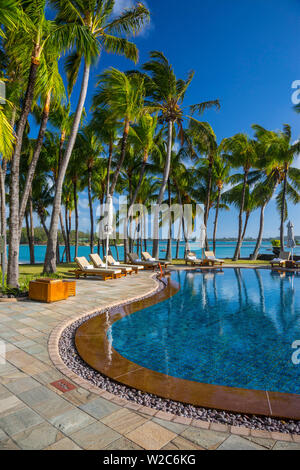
[(233, 329)]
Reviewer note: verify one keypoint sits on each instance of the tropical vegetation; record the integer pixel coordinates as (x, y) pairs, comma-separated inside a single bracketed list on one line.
[(140, 139)]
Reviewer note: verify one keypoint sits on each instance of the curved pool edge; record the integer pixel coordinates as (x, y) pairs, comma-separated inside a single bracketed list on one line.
[(98, 353)]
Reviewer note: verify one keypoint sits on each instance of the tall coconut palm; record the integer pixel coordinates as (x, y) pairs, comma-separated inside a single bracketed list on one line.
[(28, 41), (167, 94), (220, 175), (123, 95), (89, 145), (106, 127), (50, 88), (142, 137), (241, 152), (204, 142), (280, 154), (94, 32)]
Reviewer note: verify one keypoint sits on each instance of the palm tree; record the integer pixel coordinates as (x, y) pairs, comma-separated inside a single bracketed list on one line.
[(89, 145), (204, 142), (94, 32), (280, 154), (220, 175), (34, 34), (123, 95), (241, 152), (50, 88), (167, 94), (106, 127)]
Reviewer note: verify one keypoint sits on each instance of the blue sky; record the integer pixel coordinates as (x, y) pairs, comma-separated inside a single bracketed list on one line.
[(246, 53)]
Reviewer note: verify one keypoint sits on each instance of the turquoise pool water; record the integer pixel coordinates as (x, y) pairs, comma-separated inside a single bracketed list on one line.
[(234, 329)]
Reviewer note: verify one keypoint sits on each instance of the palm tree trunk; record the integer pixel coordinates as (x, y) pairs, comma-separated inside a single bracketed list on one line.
[(122, 157), (261, 231), (132, 202), (239, 242), (68, 258), (76, 216), (62, 227), (34, 161), (32, 258), (207, 205), (3, 213), (110, 154), (162, 190), (91, 209), (216, 219), (50, 264), (246, 224), (13, 256), (42, 219), (283, 209), (169, 247)]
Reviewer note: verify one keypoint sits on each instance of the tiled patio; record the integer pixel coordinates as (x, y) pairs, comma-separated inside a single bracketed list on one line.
[(36, 415)]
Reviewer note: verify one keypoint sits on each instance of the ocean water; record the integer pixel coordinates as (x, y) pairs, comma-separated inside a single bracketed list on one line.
[(234, 328), (223, 250)]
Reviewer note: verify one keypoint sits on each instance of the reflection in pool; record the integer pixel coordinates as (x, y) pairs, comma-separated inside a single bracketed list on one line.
[(234, 328)]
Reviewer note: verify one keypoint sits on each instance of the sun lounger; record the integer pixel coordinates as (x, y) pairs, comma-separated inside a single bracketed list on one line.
[(284, 256), (211, 260), (86, 269), (147, 257), (192, 258), (134, 259), (111, 262), (98, 263)]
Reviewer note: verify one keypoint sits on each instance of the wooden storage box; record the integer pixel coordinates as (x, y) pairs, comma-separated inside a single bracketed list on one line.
[(48, 290), (71, 288)]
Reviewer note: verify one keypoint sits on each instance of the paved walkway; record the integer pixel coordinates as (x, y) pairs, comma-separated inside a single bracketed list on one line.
[(36, 415)]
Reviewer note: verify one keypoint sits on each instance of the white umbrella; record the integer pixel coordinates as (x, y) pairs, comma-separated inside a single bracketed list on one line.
[(110, 219), (202, 237), (291, 238)]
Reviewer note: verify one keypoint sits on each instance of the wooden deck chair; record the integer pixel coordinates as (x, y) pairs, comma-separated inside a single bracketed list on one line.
[(192, 259), (147, 257), (134, 259), (84, 268), (111, 262), (98, 263), (211, 260), (284, 256)]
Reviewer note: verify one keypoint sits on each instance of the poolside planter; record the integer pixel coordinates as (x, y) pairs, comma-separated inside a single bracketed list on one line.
[(49, 290)]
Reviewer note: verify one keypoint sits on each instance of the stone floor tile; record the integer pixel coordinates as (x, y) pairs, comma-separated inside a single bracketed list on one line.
[(123, 444), (179, 443), (280, 445), (151, 436), (99, 408), (64, 444), (124, 421), (96, 436), (19, 421), (239, 443), (38, 437), (8, 444), (10, 403), (72, 421), (22, 385), (204, 438), (171, 425)]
